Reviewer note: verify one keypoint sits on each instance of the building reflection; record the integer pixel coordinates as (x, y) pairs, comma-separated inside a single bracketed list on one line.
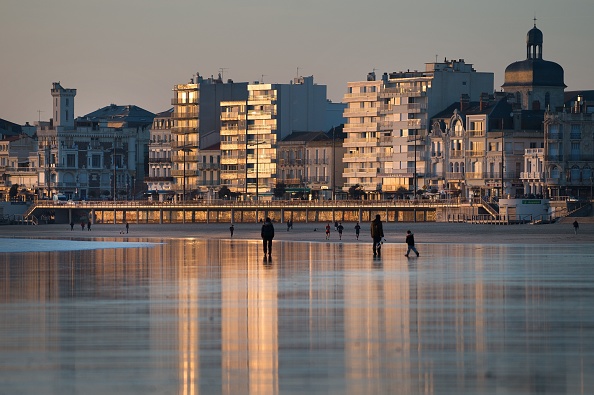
[(213, 317)]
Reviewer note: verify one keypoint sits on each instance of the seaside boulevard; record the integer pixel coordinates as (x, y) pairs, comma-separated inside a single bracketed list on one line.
[(427, 232)]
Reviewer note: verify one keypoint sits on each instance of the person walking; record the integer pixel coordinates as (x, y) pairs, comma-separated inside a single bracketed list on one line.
[(410, 242), (328, 231), (82, 225), (377, 232), (340, 229), (267, 234), (335, 225), (576, 226), (89, 225), (127, 227), (357, 230), (231, 230), (71, 225)]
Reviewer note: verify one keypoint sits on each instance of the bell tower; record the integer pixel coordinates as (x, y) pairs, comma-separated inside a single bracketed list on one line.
[(63, 106)]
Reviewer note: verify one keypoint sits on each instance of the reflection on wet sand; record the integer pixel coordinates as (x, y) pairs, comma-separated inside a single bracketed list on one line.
[(194, 316)]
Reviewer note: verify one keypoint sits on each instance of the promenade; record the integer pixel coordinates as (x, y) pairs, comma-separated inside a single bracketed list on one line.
[(425, 232)]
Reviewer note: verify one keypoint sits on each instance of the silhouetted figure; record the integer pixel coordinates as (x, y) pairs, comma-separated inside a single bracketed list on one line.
[(127, 227), (576, 226), (357, 230), (71, 225), (377, 232), (231, 230), (410, 242), (340, 229), (267, 234)]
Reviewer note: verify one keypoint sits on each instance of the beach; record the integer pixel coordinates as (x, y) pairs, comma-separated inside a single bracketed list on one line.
[(425, 232)]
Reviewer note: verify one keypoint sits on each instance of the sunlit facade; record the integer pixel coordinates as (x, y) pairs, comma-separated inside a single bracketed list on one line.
[(250, 131), (196, 114), (388, 122)]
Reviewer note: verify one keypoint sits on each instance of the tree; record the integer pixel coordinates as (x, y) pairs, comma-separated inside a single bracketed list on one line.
[(224, 192), (280, 189), (401, 192), (356, 191), (14, 191)]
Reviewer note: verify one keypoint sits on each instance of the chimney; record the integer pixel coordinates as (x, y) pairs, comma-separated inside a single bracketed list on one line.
[(464, 102), (484, 101)]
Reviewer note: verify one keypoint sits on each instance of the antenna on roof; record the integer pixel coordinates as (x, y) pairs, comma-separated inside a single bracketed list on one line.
[(262, 80), (535, 19), (222, 71), (39, 115)]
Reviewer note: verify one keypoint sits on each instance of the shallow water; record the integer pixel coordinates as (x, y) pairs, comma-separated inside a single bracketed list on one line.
[(194, 316)]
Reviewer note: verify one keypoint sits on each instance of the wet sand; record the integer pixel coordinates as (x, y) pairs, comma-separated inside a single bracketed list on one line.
[(426, 232)]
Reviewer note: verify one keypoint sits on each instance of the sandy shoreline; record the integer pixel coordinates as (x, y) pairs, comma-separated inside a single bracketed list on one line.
[(426, 232)]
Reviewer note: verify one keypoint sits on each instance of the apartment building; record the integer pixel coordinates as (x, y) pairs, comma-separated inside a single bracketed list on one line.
[(18, 164), (159, 180), (196, 113), (250, 130), (569, 149), (310, 164), (387, 122)]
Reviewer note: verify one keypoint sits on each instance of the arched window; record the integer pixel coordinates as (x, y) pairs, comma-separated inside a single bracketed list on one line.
[(451, 167), (555, 172), (519, 98), (575, 174), (587, 174), (457, 168)]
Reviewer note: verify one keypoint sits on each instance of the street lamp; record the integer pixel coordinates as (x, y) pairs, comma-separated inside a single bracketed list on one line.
[(333, 165)]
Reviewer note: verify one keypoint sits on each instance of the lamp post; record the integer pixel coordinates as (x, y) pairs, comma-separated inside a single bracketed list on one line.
[(502, 160), (114, 169), (333, 165)]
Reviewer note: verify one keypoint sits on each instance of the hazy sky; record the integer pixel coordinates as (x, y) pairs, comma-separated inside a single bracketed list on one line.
[(134, 51)]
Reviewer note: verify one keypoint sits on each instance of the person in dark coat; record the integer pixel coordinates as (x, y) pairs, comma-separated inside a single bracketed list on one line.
[(267, 234), (576, 226), (377, 232), (410, 242), (231, 229)]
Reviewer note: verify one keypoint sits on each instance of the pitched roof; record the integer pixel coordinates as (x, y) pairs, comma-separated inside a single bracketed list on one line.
[(130, 114)]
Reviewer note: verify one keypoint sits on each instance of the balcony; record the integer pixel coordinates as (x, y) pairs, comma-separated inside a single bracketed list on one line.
[(208, 166), (159, 160), (187, 173), (292, 181), (538, 175), (360, 112), (158, 179), (183, 129), (182, 102), (185, 115), (401, 92), (476, 133)]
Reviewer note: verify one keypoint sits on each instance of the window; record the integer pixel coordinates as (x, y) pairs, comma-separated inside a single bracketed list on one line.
[(576, 132)]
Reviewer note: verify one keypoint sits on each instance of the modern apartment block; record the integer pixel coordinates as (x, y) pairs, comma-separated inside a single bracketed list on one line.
[(250, 130), (159, 180), (388, 122), (196, 112)]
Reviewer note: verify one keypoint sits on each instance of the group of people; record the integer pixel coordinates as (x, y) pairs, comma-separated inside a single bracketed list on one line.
[(377, 235)]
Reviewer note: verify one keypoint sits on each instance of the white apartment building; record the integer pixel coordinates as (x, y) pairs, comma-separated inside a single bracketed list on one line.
[(159, 180), (251, 128), (196, 113), (387, 122)]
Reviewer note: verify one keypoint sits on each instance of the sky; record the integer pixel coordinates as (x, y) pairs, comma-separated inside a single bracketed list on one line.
[(134, 51)]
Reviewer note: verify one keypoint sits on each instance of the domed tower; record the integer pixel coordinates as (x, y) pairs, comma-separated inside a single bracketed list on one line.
[(538, 84)]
